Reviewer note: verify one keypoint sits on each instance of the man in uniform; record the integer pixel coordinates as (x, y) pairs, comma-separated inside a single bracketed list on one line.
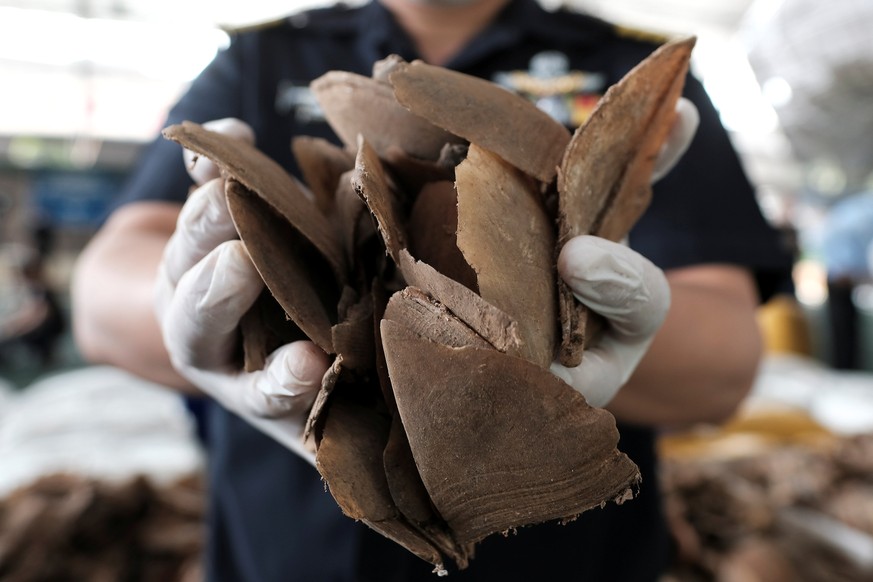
[(705, 244)]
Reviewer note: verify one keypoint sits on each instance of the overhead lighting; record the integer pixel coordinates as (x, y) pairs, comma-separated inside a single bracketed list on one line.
[(777, 91), (826, 177), (810, 282), (234, 13), (733, 88), (166, 51)]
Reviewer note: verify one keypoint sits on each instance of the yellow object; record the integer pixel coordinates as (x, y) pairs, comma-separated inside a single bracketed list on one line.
[(749, 433), (641, 34), (784, 327)]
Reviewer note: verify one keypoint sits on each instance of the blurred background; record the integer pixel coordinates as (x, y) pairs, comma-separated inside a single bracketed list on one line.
[(90, 453)]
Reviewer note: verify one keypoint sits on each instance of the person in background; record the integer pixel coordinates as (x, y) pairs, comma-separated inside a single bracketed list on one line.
[(682, 346), (846, 238), (31, 318)]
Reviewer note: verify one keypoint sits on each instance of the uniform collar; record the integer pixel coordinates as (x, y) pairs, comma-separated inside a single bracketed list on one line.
[(519, 21), (380, 35)]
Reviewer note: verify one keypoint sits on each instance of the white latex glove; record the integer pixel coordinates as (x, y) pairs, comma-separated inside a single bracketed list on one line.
[(634, 297), (622, 286), (681, 134), (206, 282)]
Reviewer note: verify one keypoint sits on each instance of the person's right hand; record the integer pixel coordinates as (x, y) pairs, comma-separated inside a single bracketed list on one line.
[(206, 282)]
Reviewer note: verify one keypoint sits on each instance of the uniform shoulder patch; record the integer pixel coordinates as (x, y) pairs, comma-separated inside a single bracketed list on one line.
[(640, 34), (567, 95), (254, 26)]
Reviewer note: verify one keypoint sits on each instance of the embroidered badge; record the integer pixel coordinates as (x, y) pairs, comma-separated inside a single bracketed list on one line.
[(568, 96), (298, 100)]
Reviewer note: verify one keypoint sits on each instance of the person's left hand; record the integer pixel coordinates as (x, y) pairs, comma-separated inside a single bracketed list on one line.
[(677, 142), (632, 295), (624, 287)]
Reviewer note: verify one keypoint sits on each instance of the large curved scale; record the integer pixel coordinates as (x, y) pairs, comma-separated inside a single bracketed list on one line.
[(354, 104), (373, 186), (484, 114), (606, 171), (508, 238), (291, 269), (349, 458), (604, 179), (263, 176), (500, 442)]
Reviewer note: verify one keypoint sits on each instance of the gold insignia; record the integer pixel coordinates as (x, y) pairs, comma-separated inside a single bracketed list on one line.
[(254, 26), (641, 34)]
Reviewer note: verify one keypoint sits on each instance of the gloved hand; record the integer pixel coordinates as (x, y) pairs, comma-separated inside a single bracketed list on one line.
[(622, 286), (634, 297), (206, 282), (681, 134)]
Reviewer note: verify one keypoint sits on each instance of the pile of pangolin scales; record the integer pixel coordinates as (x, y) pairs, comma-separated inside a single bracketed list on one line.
[(64, 526), (421, 255)]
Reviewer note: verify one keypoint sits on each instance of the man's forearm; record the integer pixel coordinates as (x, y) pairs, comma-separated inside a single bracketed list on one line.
[(112, 294), (704, 359)]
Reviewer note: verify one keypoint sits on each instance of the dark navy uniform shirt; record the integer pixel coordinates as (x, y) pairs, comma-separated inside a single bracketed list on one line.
[(270, 517)]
